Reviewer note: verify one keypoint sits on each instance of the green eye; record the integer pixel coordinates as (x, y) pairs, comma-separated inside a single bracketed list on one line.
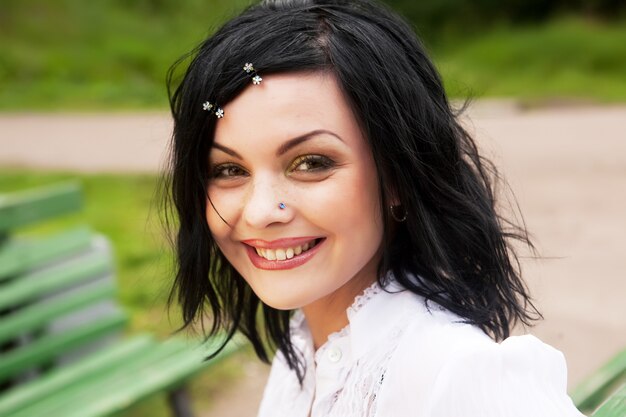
[(310, 163)]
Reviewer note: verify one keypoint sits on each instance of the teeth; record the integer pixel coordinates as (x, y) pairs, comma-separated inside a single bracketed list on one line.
[(282, 254)]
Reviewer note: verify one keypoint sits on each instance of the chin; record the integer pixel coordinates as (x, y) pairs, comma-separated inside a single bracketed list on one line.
[(281, 303), (283, 299)]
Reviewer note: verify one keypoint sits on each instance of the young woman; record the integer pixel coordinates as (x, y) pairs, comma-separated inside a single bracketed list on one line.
[(332, 208)]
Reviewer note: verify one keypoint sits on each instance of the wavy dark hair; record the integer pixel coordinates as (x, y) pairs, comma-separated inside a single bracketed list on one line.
[(454, 239)]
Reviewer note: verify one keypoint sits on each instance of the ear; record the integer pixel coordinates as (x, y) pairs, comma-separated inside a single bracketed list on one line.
[(394, 200), (391, 191)]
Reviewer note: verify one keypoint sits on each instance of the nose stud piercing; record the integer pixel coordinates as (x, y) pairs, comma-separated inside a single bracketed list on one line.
[(281, 206)]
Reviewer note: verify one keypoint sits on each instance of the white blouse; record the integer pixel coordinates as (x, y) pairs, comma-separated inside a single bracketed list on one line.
[(398, 358)]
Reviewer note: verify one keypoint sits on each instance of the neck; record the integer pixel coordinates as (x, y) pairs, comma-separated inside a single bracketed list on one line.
[(329, 314)]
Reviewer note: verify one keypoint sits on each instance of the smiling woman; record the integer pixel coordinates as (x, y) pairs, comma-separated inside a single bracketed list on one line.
[(321, 178)]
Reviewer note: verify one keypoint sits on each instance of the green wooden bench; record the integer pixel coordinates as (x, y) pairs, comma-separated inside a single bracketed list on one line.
[(61, 350), (604, 391), (614, 405)]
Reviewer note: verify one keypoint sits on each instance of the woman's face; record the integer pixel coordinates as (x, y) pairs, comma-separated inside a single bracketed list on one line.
[(294, 140)]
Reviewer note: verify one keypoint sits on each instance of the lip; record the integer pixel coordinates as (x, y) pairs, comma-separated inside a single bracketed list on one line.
[(286, 242), (296, 261)]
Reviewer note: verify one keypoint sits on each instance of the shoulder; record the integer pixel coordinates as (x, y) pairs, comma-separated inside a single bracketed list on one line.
[(437, 333), (520, 376), (447, 367)]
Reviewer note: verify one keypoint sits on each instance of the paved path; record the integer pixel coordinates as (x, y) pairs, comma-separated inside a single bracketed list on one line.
[(566, 166), (85, 142)]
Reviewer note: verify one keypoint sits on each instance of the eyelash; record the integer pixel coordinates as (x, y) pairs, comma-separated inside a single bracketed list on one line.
[(217, 171), (323, 163)]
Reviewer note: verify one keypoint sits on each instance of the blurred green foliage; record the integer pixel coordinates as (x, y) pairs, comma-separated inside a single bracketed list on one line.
[(114, 54)]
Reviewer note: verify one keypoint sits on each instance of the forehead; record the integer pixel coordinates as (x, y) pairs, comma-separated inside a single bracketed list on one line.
[(285, 106)]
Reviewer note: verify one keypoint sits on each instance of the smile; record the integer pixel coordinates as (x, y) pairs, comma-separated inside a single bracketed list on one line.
[(287, 253), (287, 257)]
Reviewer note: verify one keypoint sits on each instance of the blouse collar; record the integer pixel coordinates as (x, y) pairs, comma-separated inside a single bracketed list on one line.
[(370, 319)]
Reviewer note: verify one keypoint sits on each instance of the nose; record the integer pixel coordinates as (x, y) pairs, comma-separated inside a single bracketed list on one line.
[(262, 207)]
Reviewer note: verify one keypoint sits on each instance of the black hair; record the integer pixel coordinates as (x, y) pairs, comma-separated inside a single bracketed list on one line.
[(454, 248)]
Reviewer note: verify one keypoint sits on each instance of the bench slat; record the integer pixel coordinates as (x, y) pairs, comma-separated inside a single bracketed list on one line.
[(32, 392), (126, 388), (45, 349), (588, 394), (71, 396), (38, 315), (614, 406), (27, 207), (167, 375), (19, 256), (40, 283)]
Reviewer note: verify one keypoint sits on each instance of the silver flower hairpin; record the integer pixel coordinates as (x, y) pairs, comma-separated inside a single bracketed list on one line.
[(249, 69), (219, 112), (208, 106)]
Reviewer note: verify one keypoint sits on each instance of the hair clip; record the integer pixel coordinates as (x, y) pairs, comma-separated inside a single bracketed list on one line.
[(249, 69), (208, 106)]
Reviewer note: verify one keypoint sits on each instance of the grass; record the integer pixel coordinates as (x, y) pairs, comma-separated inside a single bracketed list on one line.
[(113, 55), (568, 58), (122, 208)]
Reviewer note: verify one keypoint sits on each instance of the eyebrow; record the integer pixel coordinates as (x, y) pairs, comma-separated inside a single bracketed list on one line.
[(291, 143)]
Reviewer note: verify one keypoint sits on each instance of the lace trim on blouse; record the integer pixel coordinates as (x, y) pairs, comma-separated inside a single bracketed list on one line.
[(360, 382), (363, 298), (358, 303)]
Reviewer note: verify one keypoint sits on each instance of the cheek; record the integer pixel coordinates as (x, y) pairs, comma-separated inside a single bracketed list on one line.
[(215, 216), (348, 206), (361, 205), (363, 219), (222, 208)]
